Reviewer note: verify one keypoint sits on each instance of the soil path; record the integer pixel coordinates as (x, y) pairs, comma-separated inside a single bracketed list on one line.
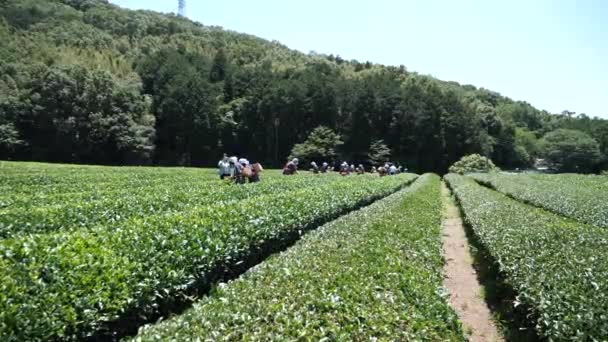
[(460, 277)]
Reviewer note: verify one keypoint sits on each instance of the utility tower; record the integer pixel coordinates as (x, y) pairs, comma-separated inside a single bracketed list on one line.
[(181, 8)]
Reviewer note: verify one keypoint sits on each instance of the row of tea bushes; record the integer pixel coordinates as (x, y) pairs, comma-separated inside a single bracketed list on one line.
[(70, 285), (557, 266), (374, 274)]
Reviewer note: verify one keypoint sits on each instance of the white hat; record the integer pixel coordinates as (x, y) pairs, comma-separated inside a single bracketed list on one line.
[(233, 160), (243, 161)]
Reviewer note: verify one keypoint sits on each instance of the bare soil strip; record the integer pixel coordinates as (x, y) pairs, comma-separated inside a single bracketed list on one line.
[(460, 277)]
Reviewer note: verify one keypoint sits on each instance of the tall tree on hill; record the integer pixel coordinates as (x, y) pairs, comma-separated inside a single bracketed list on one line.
[(321, 145), (219, 67), (420, 125), (211, 88), (185, 106), (10, 140), (74, 115), (599, 132), (319, 79), (360, 131), (571, 150), (378, 153), (460, 129)]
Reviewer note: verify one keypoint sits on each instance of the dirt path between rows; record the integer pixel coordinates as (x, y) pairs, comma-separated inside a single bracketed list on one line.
[(460, 277)]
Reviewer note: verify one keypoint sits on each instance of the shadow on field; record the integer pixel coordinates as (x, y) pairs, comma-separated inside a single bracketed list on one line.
[(515, 323)]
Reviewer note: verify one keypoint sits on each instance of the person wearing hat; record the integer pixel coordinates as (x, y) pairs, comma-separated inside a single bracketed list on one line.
[(392, 170), (256, 169), (344, 169), (247, 171), (224, 167), (291, 168), (382, 171), (236, 170), (360, 169), (313, 167), (324, 167)]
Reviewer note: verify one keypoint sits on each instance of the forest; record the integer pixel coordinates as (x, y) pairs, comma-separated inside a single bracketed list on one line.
[(85, 81)]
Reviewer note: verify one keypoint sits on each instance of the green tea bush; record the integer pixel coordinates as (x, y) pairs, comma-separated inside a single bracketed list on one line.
[(374, 274), (68, 285), (473, 163), (558, 267), (581, 197)]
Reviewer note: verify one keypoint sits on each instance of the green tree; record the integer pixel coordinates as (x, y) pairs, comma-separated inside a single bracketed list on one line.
[(165, 86), (571, 150), (417, 128), (185, 103), (321, 145), (461, 130), (359, 136), (521, 114), (599, 132), (219, 67), (378, 152), (71, 114), (9, 140), (526, 147)]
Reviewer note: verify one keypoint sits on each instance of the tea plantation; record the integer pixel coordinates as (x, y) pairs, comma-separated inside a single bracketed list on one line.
[(158, 254)]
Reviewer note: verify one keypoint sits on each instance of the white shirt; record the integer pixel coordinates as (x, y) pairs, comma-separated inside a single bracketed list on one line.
[(224, 167)]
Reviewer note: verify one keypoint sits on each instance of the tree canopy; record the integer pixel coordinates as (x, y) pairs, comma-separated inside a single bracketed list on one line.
[(571, 150), (321, 146), (89, 82), (378, 153)]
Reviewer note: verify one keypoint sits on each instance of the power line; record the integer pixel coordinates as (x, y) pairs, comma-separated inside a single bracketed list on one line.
[(181, 8)]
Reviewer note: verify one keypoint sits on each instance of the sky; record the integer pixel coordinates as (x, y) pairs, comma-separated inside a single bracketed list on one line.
[(552, 54)]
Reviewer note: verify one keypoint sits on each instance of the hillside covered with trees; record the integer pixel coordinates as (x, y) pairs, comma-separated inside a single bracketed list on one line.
[(84, 81)]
